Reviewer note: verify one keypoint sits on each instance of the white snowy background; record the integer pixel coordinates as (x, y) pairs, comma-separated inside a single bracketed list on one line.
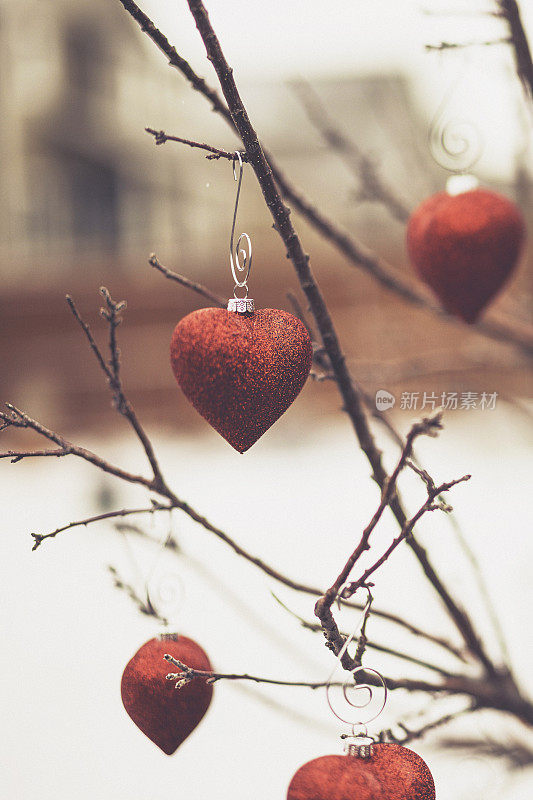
[(298, 499)]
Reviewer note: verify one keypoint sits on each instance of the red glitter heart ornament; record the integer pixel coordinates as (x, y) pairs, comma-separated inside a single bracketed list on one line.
[(166, 715), (392, 772), (241, 372), (465, 247)]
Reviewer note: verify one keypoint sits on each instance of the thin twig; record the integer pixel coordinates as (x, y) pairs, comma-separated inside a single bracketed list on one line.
[(484, 591), (214, 152), (18, 419), (373, 187), (458, 12), (486, 695), (429, 505), (334, 639), (501, 329), (187, 674), (217, 300), (18, 455), (122, 404), (259, 563), (145, 606), (462, 45), (362, 639), (124, 512), (428, 427)]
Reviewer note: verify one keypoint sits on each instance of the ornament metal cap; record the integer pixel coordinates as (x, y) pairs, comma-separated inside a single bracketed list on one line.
[(241, 305), (360, 750)]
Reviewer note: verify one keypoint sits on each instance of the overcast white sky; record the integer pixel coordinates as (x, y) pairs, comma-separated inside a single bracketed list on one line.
[(282, 39)]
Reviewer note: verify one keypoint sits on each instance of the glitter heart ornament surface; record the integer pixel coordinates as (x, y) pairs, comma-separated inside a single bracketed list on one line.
[(465, 247), (392, 772), (166, 715), (241, 372)]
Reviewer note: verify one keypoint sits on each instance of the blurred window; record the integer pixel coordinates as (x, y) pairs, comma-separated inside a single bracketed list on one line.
[(87, 67), (93, 197)]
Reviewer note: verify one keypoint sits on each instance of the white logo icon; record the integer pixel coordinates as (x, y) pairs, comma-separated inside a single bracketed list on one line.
[(384, 400)]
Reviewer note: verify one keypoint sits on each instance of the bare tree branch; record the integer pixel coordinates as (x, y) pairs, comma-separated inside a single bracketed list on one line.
[(300, 261), (429, 427), (524, 62), (217, 300), (509, 11), (175, 503), (495, 688), (410, 734), (429, 505), (485, 695), (505, 330), (315, 627), (394, 619), (459, 12), (334, 639), (363, 168), (516, 753), (484, 591), (18, 419), (187, 674)]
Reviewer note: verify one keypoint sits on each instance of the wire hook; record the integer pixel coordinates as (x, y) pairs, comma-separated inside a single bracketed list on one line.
[(455, 144), (163, 592), (240, 258), (348, 689)]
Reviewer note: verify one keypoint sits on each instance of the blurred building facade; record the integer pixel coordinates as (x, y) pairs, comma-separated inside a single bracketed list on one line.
[(86, 196), (77, 83)]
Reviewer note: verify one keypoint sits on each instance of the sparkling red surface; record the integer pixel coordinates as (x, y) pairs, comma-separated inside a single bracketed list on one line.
[(393, 772), (241, 371), (465, 247), (163, 713)]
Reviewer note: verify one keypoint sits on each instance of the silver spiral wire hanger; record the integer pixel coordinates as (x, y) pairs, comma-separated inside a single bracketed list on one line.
[(164, 589), (353, 701), (163, 592), (240, 258), (455, 143)]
